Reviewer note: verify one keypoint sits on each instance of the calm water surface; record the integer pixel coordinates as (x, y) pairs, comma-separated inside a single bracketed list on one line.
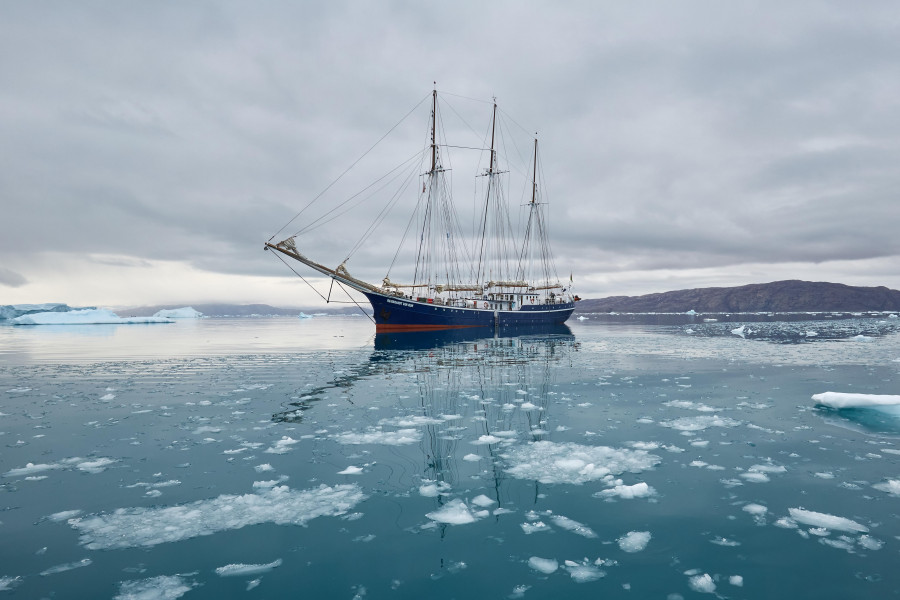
[(281, 458)]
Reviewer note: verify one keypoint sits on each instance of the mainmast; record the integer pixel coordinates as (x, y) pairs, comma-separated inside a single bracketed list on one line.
[(433, 128)]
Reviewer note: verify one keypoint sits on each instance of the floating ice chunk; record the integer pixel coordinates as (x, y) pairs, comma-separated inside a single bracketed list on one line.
[(483, 501), (303, 315), (164, 587), (702, 583), (529, 406), (543, 565), (845, 400), (107, 397), (755, 477), (411, 421), (8, 583), (688, 405), (869, 543), (205, 429), (628, 492), (83, 317), (84, 562), (736, 580), (817, 519), (700, 423), (455, 512), (891, 486), (242, 569), (755, 509), (519, 591), (634, 541), (263, 468), (64, 515), (583, 572), (136, 527), (573, 526), (186, 312), (31, 469), (471, 458), (721, 541), (96, 466), (535, 527), (282, 446), (691, 312), (433, 490), (550, 462), (351, 470), (487, 439), (400, 437), (740, 331)]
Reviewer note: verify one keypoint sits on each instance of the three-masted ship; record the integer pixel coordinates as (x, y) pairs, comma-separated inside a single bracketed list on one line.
[(492, 279)]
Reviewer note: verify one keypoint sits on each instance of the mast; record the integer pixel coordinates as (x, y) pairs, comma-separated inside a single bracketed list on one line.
[(534, 175), (433, 127)]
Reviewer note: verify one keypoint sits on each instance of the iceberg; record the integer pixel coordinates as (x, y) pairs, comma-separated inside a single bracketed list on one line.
[(87, 316), (11, 311), (188, 312), (845, 400)]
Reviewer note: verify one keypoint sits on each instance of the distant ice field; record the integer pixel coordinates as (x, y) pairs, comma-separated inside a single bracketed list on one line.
[(214, 458)]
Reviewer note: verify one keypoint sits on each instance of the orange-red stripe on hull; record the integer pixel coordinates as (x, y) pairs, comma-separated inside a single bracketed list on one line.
[(386, 328)]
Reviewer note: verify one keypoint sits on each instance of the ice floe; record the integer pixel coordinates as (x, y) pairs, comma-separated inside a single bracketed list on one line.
[(826, 521), (83, 317), (627, 492), (97, 465), (573, 526), (455, 512), (377, 436), (282, 446), (543, 565), (700, 423), (136, 527), (8, 583), (84, 562), (551, 462), (845, 400), (164, 587), (237, 569), (702, 583), (634, 541), (583, 572), (351, 470), (891, 486)]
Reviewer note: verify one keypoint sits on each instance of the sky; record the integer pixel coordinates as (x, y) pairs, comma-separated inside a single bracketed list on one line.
[(148, 150)]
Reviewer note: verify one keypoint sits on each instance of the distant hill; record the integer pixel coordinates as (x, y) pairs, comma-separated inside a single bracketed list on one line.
[(778, 296), (236, 310)]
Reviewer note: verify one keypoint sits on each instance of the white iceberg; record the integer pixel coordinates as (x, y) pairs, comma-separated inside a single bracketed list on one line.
[(845, 400), (167, 587), (187, 312), (83, 317)]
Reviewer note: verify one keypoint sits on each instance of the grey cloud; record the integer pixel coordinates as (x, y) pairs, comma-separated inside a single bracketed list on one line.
[(681, 135), (10, 278)]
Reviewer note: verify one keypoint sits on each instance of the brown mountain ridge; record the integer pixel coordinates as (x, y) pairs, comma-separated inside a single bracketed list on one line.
[(778, 296)]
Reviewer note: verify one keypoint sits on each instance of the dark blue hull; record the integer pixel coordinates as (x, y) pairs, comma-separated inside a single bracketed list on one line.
[(401, 314)]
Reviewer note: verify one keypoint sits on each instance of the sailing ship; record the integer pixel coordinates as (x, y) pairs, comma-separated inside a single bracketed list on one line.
[(491, 279)]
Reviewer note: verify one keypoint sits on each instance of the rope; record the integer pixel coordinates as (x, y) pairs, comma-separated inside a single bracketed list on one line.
[(355, 302), (350, 167)]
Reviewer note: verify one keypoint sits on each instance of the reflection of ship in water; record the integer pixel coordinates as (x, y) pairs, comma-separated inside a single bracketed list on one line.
[(469, 399)]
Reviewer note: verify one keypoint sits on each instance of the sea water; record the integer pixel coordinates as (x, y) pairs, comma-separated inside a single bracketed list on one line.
[(643, 457)]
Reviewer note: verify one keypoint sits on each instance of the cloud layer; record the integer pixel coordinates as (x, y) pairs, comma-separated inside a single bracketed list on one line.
[(684, 144)]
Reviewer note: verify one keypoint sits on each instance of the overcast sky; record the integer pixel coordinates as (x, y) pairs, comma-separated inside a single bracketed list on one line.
[(149, 149)]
